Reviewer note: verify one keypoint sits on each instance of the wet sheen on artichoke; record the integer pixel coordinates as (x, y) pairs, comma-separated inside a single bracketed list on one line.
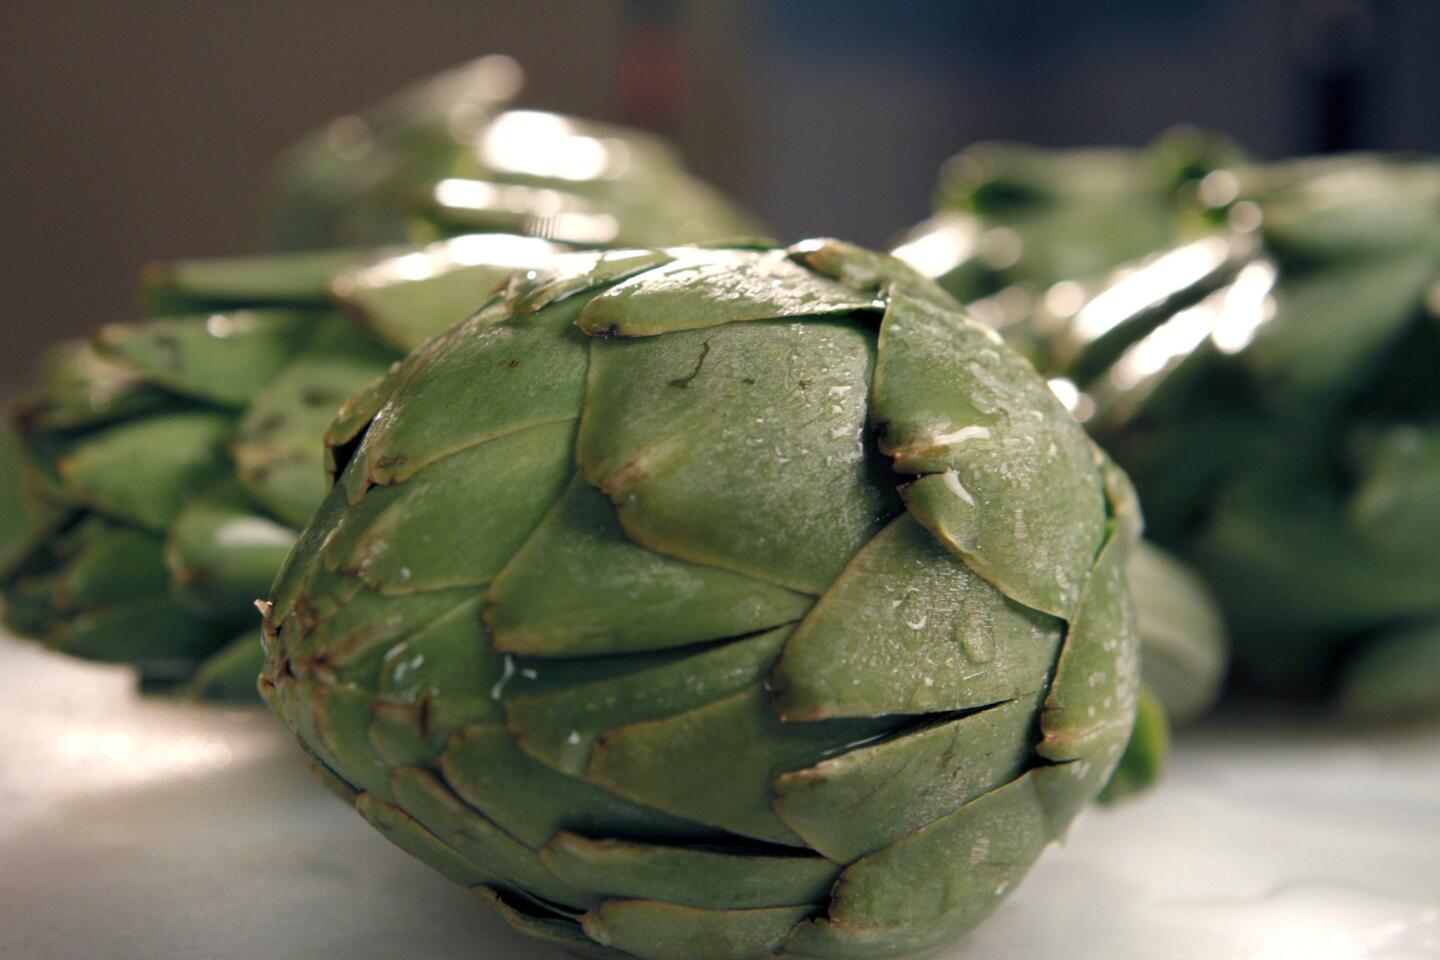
[(715, 603)]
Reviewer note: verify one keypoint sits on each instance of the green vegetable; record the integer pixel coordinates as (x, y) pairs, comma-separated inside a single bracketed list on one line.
[(713, 603), (1272, 390)]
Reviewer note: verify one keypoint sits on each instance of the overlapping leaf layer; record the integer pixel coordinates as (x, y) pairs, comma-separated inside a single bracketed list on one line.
[(720, 603)]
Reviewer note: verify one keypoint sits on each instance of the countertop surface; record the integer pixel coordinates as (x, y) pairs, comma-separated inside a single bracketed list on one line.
[(141, 827)]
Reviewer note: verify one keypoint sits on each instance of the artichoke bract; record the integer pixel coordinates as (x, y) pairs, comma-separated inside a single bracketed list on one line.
[(709, 602), (1272, 390), (445, 157), (169, 463)]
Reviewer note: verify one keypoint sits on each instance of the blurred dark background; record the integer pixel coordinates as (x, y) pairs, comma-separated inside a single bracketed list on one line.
[(144, 130)]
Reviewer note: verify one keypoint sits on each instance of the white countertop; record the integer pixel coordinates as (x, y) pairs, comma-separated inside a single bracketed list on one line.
[(135, 827)]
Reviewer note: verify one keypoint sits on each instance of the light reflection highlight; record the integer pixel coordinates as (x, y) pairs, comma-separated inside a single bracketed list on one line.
[(573, 226), (1247, 307), (1072, 398), (220, 325), (1008, 306), (484, 195), (536, 144), (1230, 318), (1064, 299), (1219, 188), (1149, 286), (543, 212), (1001, 248), (502, 250), (946, 242), (1171, 341), (1065, 391), (253, 532), (349, 138), (1245, 216)]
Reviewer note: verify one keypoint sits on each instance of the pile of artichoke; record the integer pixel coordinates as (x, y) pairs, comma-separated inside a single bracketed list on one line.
[(690, 596)]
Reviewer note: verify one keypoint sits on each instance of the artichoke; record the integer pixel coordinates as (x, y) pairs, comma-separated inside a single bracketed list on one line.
[(1011, 213), (173, 460), (1272, 391), (443, 158), (709, 602)]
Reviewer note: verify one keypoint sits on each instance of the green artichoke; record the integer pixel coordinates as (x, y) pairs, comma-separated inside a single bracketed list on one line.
[(704, 603), (443, 158), (1010, 213), (173, 460), (1273, 392)]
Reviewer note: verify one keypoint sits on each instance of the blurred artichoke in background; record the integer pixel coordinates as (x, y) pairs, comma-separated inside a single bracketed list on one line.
[(709, 602), (1009, 213), (1183, 645), (173, 459), (444, 157), (1273, 392)]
